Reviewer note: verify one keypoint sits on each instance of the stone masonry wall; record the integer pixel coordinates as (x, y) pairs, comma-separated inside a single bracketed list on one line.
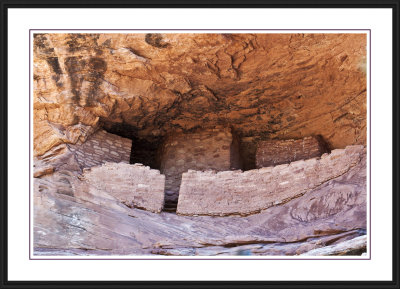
[(134, 185), (102, 147), (243, 193), (276, 152), (214, 148)]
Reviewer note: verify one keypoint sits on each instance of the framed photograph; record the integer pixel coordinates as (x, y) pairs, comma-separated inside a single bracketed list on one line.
[(220, 145)]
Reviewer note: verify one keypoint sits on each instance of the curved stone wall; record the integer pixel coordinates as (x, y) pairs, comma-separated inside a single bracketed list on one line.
[(243, 193), (133, 185)]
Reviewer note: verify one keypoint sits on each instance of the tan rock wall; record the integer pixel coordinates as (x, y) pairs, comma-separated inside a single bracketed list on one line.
[(102, 147), (237, 192), (276, 152), (201, 150), (134, 185)]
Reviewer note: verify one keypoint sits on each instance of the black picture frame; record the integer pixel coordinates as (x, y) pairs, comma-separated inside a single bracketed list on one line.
[(6, 5)]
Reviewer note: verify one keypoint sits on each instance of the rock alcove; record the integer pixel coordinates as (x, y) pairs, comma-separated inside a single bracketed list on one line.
[(262, 85), (186, 103), (216, 148)]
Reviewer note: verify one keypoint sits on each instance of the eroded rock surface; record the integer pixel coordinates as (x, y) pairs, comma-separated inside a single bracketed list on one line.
[(353, 246), (58, 158), (83, 220), (263, 85)]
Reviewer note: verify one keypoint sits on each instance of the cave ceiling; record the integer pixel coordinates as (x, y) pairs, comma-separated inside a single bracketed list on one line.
[(262, 85)]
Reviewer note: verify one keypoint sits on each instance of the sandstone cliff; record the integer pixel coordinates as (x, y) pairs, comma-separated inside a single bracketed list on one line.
[(263, 85)]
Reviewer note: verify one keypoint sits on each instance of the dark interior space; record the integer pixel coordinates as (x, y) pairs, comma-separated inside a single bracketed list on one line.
[(143, 150), (146, 150)]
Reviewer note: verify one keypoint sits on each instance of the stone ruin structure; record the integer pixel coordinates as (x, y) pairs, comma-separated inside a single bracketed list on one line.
[(199, 144), (276, 152), (102, 147), (214, 148), (202, 171), (249, 192), (133, 185)]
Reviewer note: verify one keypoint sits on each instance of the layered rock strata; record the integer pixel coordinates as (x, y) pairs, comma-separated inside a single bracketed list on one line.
[(59, 158), (275, 152), (88, 221), (213, 148), (236, 192), (263, 85), (133, 185), (354, 246)]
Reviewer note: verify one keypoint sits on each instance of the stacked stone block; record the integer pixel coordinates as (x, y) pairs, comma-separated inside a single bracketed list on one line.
[(243, 193), (214, 148), (135, 185), (102, 147), (276, 152)]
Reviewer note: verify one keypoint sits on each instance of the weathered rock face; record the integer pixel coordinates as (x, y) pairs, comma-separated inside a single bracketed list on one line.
[(349, 247), (59, 158), (216, 149), (99, 148), (72, 218), (275, 152), (263, 85), (242, 193), (133, 185)]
